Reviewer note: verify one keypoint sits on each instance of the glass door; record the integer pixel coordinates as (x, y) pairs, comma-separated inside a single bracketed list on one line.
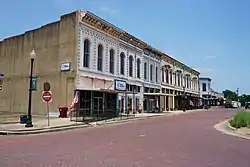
[(98, 105)]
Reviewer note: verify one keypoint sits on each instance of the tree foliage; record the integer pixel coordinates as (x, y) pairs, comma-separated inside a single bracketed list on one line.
[(244, 98), (232, 96)]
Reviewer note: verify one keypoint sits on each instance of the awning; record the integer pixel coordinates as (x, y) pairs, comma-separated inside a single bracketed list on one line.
[(118, 91), (157, 94), (190, 96)]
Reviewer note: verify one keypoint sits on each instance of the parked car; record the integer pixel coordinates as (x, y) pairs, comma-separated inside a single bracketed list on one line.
[(247, 105), (228, 105), (236, 104)]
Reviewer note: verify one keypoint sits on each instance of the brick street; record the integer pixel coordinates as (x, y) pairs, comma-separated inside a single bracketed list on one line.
[(187, 140)]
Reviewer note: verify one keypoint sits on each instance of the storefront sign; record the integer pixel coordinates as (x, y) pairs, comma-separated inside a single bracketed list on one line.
[(65, 66), (120, 85)]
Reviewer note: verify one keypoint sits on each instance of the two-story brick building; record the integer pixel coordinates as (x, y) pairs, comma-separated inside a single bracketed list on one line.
[(109, 67)]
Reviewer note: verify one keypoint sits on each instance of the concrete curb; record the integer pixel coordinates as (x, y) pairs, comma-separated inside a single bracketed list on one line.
[(127, 120), (45, 130), (69, 127), (80, 125), (235, 129), (226, 129), (230, 127)]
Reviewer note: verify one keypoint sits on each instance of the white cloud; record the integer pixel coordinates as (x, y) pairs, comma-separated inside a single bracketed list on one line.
[(209, 57), (64, 5), (205, 70), (110, 11)]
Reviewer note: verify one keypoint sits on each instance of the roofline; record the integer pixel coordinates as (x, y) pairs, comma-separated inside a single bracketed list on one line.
[(99, 18), (149, 47), (205, 78)]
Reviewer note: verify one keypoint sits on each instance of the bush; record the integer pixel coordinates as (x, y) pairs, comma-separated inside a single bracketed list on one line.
[(241, 119)]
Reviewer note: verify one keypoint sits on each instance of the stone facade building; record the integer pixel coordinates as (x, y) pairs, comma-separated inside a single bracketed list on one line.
[(111, 69)]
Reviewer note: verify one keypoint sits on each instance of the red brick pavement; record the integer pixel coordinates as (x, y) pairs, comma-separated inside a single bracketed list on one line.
[(180, 141)]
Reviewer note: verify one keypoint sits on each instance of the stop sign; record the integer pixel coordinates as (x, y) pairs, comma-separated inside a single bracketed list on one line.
[(47, 96)]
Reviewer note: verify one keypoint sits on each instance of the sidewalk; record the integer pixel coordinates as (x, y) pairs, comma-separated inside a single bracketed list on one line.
[(60, 124)]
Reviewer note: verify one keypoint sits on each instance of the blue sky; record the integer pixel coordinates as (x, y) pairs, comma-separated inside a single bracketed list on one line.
[(209, 35)]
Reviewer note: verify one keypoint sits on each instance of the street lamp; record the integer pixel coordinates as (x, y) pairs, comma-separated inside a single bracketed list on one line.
[(238, 100), (32, 58)]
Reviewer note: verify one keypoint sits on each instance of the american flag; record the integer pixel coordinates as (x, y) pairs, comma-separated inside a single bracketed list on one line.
[(75, 100)]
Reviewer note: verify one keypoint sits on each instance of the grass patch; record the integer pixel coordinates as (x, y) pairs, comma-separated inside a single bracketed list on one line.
[(241, 119)]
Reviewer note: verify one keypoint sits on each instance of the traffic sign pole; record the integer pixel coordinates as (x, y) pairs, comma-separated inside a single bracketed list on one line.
[(47, 98), (48, 112)]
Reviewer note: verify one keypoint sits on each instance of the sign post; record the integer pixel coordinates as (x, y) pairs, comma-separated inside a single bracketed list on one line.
[(48, 111), (47, 98)]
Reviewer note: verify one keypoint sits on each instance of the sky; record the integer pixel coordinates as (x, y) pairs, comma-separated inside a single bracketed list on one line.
[(212, 36)]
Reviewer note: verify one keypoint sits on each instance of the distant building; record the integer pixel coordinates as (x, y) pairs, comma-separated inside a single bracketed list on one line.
[(209, 96)]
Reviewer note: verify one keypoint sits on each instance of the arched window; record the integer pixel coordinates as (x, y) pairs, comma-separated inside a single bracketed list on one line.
[(131, 66), (178, 77), (100, 57), (171, 77), (175, 78), (138, 63), (162, 75), (111, 61), (86, 53), (167, 76), (187, 80), (122, 63), (181, 80), (156, 74), (145, 70), (151, 72), (184, 81)]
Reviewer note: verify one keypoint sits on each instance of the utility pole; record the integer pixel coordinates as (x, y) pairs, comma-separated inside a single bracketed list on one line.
[(237, 91)]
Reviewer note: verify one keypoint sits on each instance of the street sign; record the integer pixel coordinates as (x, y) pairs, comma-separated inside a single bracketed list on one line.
[(47, 96), (65, 66), (46, 86)]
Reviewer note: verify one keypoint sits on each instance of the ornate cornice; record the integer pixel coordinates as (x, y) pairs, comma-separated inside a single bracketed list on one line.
[(166, 67), (97, 22)]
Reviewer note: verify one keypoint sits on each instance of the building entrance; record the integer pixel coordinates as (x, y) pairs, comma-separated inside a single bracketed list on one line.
[(98, 105)]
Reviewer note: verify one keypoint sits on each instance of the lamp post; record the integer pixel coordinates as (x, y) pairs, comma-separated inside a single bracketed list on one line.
[(32, 58), (238, 100)]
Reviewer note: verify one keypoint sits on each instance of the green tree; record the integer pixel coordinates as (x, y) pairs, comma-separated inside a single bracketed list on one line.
[(244, 98), (230, 95)]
